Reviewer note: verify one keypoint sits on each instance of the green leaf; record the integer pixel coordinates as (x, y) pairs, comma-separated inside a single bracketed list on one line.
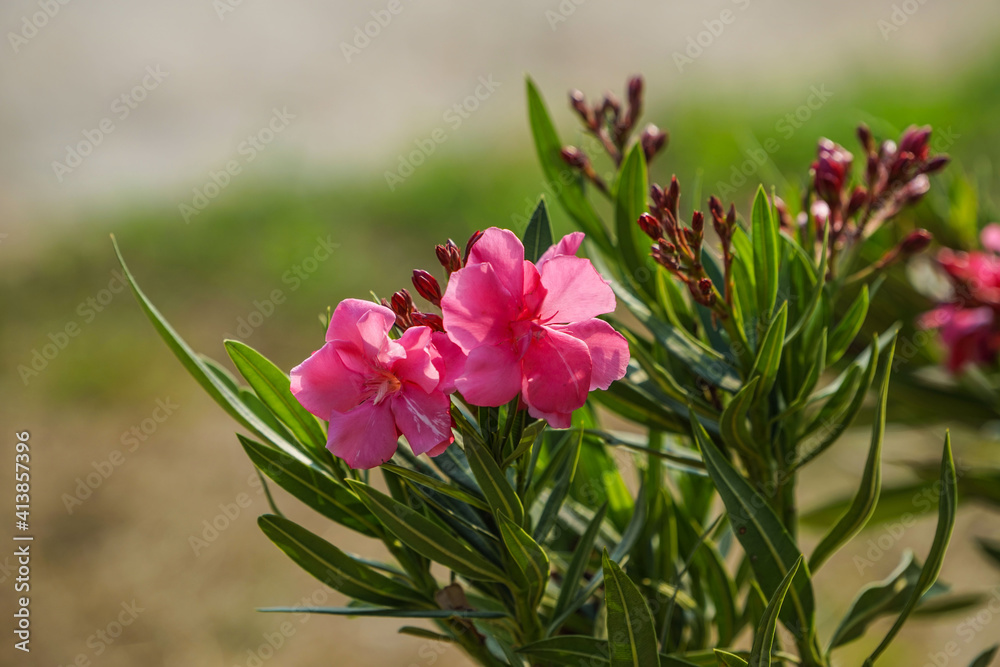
[(771, 549), (733, 423), (273, 388), (947, 504), (426, 537), (985, 659), (496, 489), (863, 505), (568, 650), (729, 659), (578, 564), (877, 599), (313, 487), (531, 560), (385, 612), (217, 388), (630, 202), (768, 358), (631, 635), (538, 235), (818, 288), (335, 568), (847, 329), (763, 638), (568, 190), (764, 235), (436, 485), (564, 467)]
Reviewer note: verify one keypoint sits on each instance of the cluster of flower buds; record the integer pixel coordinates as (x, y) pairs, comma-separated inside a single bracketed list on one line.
[(427, 286), (678, 248), (613, 124), (894, 177)]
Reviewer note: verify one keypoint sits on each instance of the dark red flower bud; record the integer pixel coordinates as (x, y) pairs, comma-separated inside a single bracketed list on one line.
[(635, 92), (650, 226), (691, 236), (936, 164), (471, 242), (428, 320), (427, 286), (831, 170), (449, 256), (916, 141), (574, 157), (705, 286), (866, 138), (916, 241), (731, 216), (698, 222), (656, 194), (652, 139), (664, 257), (402, 305), (858, 199), (579, 104), (914, 189), (673, 196)]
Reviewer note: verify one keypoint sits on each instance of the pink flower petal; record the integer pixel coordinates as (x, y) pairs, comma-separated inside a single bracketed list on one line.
[(557, 370), (501, 249), (361, 323), (990, 237), (567, 245), (450, 361), (555, 419), (322, 383), (364, 437), (418, 365), (424, 418), (492, 376), (477, 309), (608, 350), (576, 291)]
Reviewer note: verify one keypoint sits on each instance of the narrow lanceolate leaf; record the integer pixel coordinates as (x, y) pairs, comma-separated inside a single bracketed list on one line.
[(313, 487), (947, 504), (217, 388), (538, 235), (630, 202), (631, 634), (335, 568), (273, 388), (570, 192), (985, 659), (771, 549), (569, 650), (496, 489), (436, 484), (764, 234), (876, 600), (728, 659), (765, 366), (863, 505), (564, 467), (763, 638), (386, 612), (844, 333), (733, 424), (578, 564), (426, 537), (531, 560)]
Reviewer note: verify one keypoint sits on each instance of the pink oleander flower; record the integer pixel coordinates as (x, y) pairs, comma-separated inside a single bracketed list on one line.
[(970, 323), (530, 329), (372, 388)]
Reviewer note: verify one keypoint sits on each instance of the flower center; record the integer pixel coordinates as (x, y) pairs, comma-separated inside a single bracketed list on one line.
[(380, 384)]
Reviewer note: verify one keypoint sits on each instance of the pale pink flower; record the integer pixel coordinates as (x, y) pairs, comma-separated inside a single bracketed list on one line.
[(372, 388), (530, 329)]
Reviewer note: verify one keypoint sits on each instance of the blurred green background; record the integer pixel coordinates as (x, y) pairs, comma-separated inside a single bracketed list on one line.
[(322, 183)]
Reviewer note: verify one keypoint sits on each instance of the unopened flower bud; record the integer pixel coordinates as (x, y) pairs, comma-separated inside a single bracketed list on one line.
[(652, 139), (656, 194), (915, 242), (936, 164), (650, 226), (916, 141), (915, 189), (579, 104), (858, 199), (427, 320), (705, 286), (402, 305), (427, 286), (574, 157), (635, 92), (866, 138), (698, 222), (471, 242), (673, 196), (449, 256)]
